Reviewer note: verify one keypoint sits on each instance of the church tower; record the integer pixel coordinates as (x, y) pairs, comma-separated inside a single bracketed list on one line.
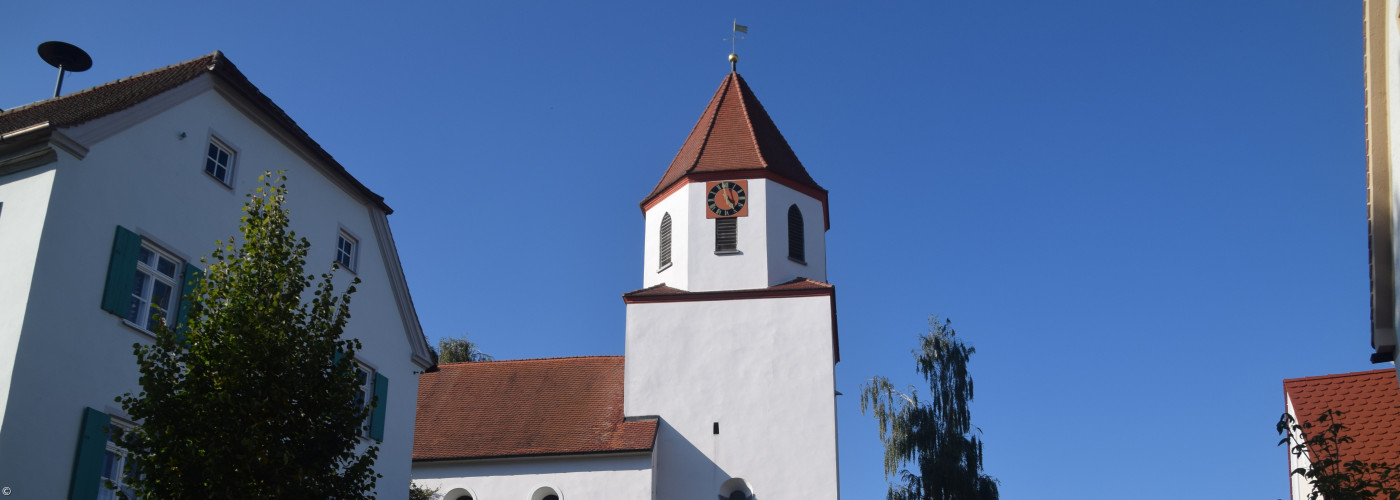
[(732, 341)]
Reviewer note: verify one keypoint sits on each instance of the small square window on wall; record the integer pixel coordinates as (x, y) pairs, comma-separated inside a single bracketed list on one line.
[(345, 249), (218, 162)]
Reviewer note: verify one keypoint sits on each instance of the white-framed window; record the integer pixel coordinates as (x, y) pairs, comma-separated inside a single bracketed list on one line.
[(364, 393), (218, 161), (154, 288), (115, 477), (346, 248)]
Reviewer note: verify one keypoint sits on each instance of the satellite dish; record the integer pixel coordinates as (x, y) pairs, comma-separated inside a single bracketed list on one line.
[(65, 57)]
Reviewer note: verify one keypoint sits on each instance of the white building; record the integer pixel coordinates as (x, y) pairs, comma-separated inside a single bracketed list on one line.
[(109, 197), (1383, 194), (727, 389)]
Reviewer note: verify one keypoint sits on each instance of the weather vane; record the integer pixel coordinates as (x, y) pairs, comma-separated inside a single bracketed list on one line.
[(733, 44)]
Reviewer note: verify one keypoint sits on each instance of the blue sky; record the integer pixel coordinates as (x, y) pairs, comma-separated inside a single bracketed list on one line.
[(1144, 215)]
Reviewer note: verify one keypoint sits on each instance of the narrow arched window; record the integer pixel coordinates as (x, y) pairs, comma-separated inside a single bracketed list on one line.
[(797, 246), (665, 241)]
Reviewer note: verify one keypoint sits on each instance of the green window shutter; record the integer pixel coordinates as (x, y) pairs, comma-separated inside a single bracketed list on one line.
[(193, 275), (92, 449), (381, 396), (121, 272)]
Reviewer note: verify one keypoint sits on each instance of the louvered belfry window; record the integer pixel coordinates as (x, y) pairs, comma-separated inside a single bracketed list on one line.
[(665, 241), (727, 235), (797, 246)]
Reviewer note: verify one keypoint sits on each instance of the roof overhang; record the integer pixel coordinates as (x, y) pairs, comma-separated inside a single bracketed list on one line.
[(756, 173), (1379, 198)]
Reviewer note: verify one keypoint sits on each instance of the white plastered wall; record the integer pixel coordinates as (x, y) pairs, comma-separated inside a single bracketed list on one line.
[(780, 267), (762, 368), (677, 275), (762, 241), (1298, 486), (580, 477), (146, 177), (24, 203)]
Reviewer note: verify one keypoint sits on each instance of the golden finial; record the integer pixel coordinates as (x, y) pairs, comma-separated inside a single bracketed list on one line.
[(733, 62)]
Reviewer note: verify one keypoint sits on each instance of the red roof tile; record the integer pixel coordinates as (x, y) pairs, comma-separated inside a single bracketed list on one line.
[(1370, 402), (90, 104), (527, 407), (734, 134)]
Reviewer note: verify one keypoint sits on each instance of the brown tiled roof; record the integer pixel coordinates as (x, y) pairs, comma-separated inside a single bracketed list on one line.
[(90, 104), (528, 407), (734, 134), (1370, 402)]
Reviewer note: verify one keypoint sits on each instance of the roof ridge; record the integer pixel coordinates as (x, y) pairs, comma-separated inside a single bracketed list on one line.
[(1378, 371), (710, 128), (527, 360), (217, 55), (748, 123)]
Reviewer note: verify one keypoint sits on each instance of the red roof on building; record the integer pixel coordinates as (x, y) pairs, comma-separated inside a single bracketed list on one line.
[(1370, 403), (528, 407), (734, 134), (90, 104)]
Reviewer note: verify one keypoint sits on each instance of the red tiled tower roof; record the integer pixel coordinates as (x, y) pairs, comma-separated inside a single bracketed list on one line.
[(1370, 402), (90, 104), (528, 407), (735, 134)]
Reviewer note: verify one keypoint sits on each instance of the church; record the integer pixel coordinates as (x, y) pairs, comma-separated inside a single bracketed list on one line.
[(727, 386)]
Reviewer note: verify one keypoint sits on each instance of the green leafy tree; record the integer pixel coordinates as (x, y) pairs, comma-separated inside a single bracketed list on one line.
[(933, 437), (1333, 478), (416, 492), (254, 394), (460, 350)]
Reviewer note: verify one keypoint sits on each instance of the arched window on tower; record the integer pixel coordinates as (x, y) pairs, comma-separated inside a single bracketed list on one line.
[(665, 242), (797, 245)]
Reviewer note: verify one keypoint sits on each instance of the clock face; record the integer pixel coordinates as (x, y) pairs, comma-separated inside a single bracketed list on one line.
[(727, 199)]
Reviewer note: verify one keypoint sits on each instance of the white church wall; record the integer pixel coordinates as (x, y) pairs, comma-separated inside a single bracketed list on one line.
[(150, 179), (780, 268), (24, 204), (742, 270), (677, 275), (580, 477), (763, 369)]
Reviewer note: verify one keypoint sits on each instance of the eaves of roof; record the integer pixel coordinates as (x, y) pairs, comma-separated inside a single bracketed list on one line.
[(90, 104)]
